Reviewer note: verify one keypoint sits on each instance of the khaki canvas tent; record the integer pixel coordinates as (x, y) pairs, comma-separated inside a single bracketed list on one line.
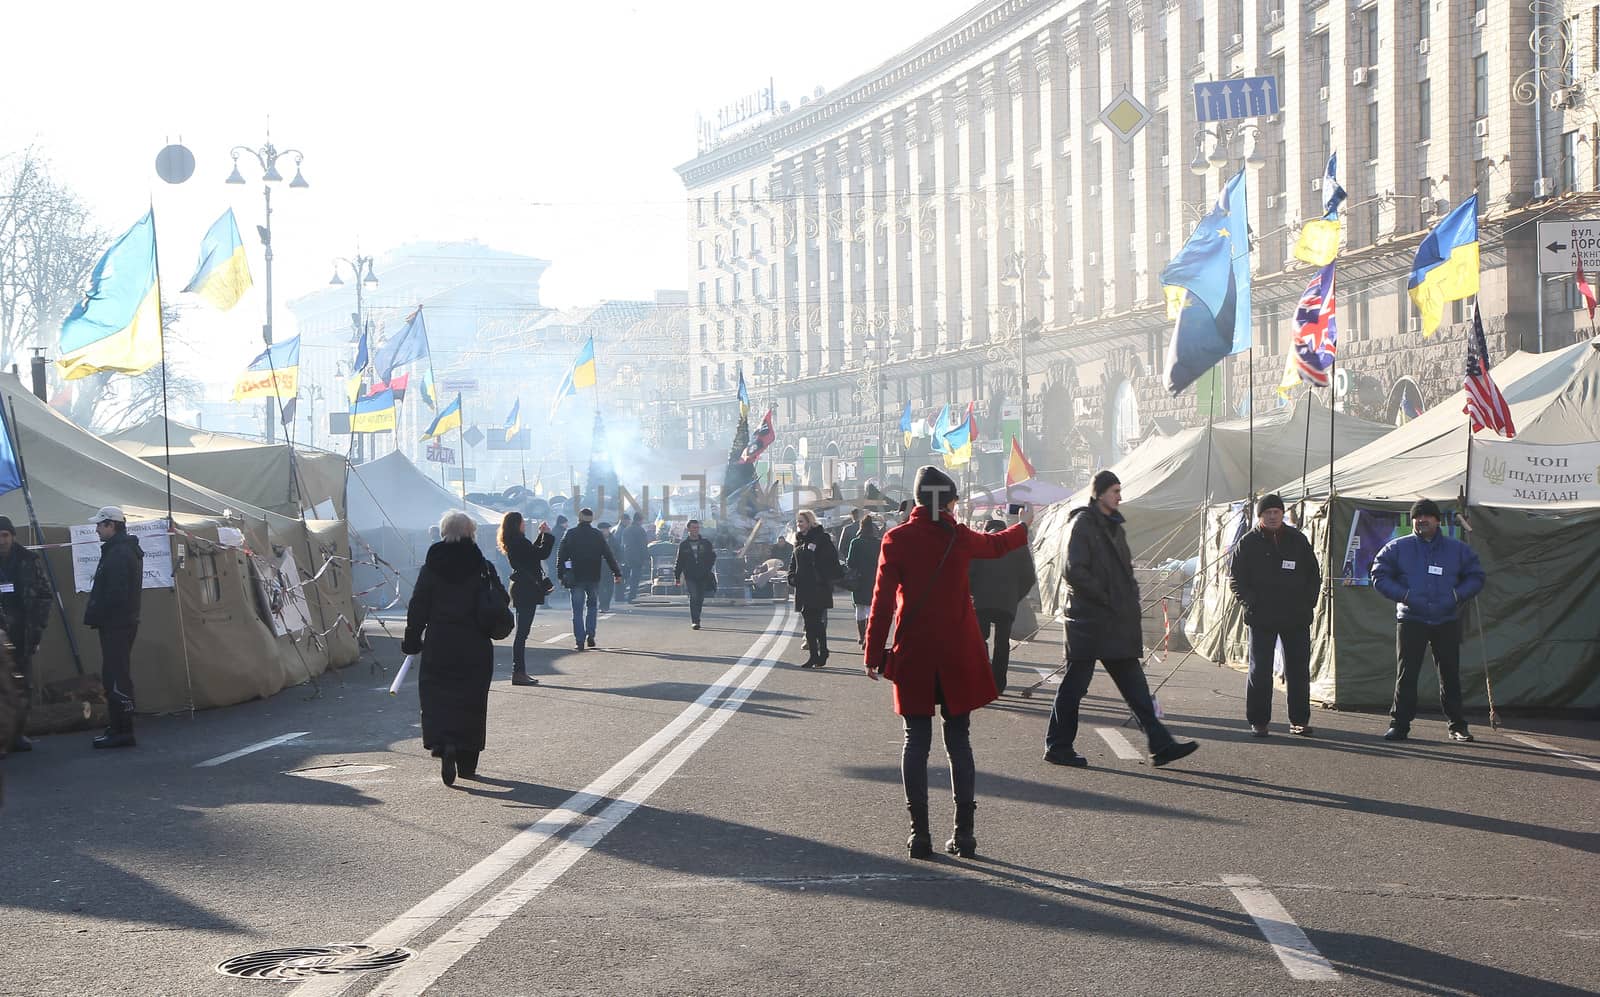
[(1538, 610), (393, 505), (1164, 482), (273, 476), (212, 638)]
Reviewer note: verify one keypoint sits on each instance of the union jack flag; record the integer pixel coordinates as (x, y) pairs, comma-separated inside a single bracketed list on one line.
[(1316, 344), (1486, 406)]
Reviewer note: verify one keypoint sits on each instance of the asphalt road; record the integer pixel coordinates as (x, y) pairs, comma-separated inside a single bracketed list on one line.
[(687, 812)]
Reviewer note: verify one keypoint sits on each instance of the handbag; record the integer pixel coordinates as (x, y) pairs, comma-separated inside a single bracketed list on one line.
[(494, 607), (910, 614)]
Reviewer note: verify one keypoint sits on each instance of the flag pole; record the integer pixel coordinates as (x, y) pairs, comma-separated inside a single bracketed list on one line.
[(161, 337), (461, 441), (38, 535), (1250, 400), (1305, 451)]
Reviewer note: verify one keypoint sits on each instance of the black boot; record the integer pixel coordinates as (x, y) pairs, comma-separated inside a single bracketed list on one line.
[(861, 630), (963, 843), (920, 844), (811, 653), (520, 677), (447, 765)]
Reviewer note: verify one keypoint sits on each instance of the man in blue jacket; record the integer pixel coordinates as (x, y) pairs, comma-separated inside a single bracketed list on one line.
[(1431, 576)]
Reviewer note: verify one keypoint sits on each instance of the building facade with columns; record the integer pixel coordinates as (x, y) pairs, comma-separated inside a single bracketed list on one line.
[(959, 224)]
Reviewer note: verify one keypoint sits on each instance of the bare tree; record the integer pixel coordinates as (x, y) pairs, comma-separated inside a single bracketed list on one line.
[(48, 250)]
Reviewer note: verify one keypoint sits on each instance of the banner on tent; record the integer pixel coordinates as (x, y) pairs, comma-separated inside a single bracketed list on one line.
[(1370, 529), (152, 537), (1524, 475), (290, 613)]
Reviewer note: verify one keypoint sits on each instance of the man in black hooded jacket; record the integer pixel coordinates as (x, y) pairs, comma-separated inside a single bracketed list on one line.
[(1276, 578)]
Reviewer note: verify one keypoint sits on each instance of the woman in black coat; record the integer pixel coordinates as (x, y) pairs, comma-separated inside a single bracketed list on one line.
[(812, 571), (457, 655), (861, 568), (528, 584)]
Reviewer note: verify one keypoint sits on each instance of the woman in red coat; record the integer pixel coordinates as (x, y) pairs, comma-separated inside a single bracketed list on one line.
[(938, 657)]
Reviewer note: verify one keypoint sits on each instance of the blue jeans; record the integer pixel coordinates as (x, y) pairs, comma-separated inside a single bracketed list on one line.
[(583, 625)]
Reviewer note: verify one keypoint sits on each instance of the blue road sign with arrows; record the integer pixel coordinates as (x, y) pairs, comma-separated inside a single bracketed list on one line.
[(1247, 97)]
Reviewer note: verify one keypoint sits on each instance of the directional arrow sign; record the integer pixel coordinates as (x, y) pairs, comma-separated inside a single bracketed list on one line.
[(1246, 97), (1562, 244)]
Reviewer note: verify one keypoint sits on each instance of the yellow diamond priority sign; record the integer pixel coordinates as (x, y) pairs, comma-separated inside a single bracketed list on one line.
[(1125, 116)]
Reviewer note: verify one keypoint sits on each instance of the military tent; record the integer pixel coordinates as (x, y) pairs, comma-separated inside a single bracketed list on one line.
[(290, 481), (235, 623), (1168, 480), (1537, 614)]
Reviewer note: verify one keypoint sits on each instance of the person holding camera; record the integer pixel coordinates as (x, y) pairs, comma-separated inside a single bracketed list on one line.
[(695, 570), (529, 584), (938, 658)]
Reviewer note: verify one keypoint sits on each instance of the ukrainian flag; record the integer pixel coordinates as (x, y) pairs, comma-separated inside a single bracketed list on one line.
[(445, 421), (514, 420), (1446, 268), (744, 398), (958, 443), (117, 325), (223, 274), (941, 426), (579, 375), (275, 372), (373, 415), (1319, 238), (905, 424)]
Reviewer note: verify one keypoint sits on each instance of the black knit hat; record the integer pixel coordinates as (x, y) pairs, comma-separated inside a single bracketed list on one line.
[(1269, 501), (6, 527), (1103, 482), (1426, 507), (934, 488)]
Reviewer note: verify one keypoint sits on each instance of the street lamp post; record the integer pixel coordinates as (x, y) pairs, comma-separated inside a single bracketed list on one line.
[(358, 320), (267, 158), (1016, 267)]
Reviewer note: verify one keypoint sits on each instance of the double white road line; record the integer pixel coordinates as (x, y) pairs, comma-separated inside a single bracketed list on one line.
[(433, 961)]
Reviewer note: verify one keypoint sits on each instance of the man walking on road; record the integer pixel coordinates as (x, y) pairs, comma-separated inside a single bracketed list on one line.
[(1276, 578), (1104, 622), (579, 559), (608, 588), (997, 587), (113, 610), (635, 558), (1430, 576), (696, 570), (24, 613)]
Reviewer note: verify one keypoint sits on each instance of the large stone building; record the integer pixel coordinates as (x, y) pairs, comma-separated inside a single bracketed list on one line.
[(895, 234)]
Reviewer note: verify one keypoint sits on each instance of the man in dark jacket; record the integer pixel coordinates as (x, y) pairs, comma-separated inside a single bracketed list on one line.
[(608, 587), (24, 613), (848, 533), (997, 587), (695, 569), (635, 559), (1276, 578), (558, 534), (1104, 622), (113, 610), (1430, 576), (579, 559)]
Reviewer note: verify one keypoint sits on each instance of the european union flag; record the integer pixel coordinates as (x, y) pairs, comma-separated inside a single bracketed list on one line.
[(1214, 267), (410, 343)]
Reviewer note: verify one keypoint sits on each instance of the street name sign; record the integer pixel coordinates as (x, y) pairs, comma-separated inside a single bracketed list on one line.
[(1562, 244), (1246, 97), (442, 455)]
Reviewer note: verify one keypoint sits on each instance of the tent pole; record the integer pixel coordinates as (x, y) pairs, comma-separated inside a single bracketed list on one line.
[(461, 441), (38, 538), (1483, 643), (1250, 401), (1305, 452)]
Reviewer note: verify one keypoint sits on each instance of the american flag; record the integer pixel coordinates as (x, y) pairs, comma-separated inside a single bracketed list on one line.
[(1486, 406), (1317, 341)]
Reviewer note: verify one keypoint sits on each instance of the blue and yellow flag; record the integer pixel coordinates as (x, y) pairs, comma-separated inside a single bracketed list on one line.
[(1214, 268), (445, 421), (941, 426), (117, 325), (514, 420), (223, 274), (352, 385), (1446, 268), (1319, 238), (744, 398), (430, 394), (579, 375), (374, 415), (275, 372), (957, 448), (905, 423)]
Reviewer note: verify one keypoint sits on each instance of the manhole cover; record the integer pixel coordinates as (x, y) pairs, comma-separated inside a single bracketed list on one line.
[(335, 771), (311, 961)]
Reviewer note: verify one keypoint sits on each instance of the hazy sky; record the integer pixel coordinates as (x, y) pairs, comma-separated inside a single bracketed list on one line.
[(550, 129)]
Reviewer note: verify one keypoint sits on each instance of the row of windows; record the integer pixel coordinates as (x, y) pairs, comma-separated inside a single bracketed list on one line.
[(716, 201)]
